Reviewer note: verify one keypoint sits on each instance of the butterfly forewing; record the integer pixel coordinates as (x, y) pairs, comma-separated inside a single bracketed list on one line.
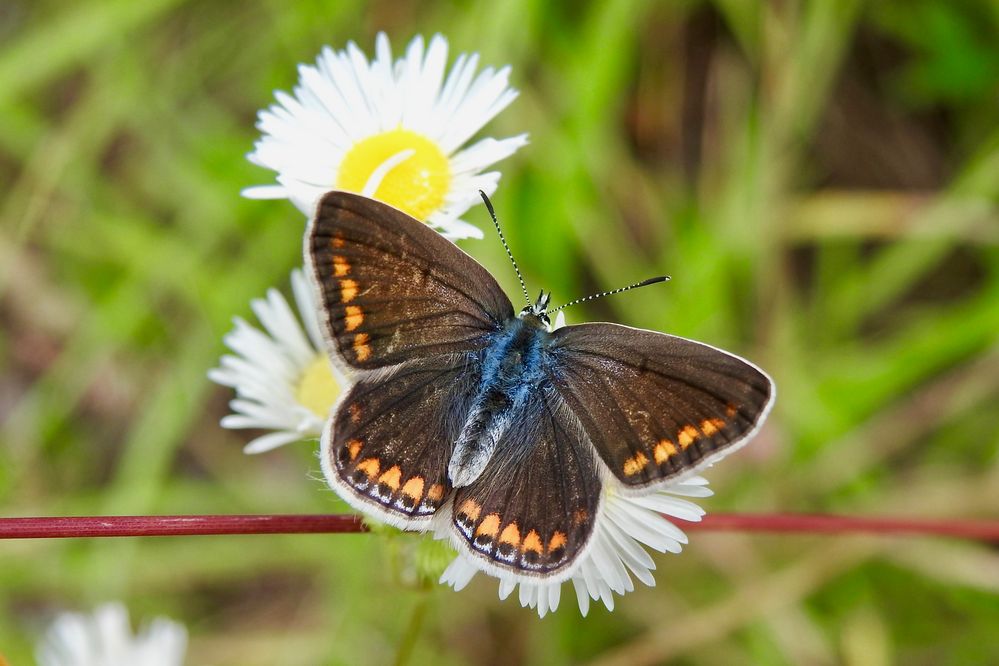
[(532, 510), (392, 289), (656, 406), (388, 446)]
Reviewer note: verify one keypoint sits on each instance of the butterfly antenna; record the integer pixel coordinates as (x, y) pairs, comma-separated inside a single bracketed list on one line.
[(643, 283), (492, 214)]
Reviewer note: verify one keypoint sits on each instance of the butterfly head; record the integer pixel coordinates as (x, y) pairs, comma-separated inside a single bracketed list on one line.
[(537, 314)]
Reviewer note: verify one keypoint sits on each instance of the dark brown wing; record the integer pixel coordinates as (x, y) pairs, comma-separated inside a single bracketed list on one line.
[(532, 510), (656, 406), (392, 289), (387, 448)]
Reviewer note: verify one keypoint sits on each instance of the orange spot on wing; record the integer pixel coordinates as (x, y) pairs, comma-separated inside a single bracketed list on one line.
[(511, 535), (353, 317), (686, 436), (340, 266), (731, 410), (489, 525), (558, 540), (711, 426), (361, 348), (664, 449), (391, 478), (348, 290), (533, 542), (369, 466), (354, 447), (436, 493), (635, 464), (414, 488), (338, 241), (355, 412), (471, 509), (580, 516)]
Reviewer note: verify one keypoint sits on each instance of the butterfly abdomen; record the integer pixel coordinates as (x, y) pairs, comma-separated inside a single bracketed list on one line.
[(512, 372)]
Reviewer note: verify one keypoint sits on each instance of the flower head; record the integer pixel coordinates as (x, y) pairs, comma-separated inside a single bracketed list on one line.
[(105, 639), (615, 552), (391, 130), (283, 378)]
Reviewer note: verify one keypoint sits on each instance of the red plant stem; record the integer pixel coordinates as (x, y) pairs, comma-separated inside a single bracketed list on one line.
[(980, 530), (124, 526)]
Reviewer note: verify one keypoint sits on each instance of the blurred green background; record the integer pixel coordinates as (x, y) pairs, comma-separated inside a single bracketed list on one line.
[(821, 180)]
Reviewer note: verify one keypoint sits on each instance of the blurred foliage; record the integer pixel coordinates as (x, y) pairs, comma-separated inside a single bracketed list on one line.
[(821, 180)]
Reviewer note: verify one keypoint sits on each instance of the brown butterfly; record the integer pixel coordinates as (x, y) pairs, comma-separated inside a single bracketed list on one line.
[(463, 411)]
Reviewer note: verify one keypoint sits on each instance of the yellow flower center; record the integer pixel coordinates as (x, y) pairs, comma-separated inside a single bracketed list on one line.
[(318, 390), (407, 170)]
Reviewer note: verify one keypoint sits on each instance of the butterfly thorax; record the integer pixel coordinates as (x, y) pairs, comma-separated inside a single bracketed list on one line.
[(513, 374)]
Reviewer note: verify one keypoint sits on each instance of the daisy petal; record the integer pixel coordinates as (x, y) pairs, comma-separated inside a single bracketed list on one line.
[(264, 192), (105, 638)]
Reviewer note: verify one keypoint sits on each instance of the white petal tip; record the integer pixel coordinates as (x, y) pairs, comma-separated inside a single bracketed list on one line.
[(264, 192)]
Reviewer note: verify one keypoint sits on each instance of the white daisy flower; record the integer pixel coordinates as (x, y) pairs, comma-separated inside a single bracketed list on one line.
[(105, 639), (283, 378), (615, 552), (388, 130)]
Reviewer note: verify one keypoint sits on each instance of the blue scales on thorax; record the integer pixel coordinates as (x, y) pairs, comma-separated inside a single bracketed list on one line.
[(513, 372)]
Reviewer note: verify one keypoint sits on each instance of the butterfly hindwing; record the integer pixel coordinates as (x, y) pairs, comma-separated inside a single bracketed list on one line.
[(532, 510), (392, 289), (388, 445), (656, 406)]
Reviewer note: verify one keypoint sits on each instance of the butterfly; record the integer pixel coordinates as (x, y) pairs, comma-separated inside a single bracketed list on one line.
[(465, 416)]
